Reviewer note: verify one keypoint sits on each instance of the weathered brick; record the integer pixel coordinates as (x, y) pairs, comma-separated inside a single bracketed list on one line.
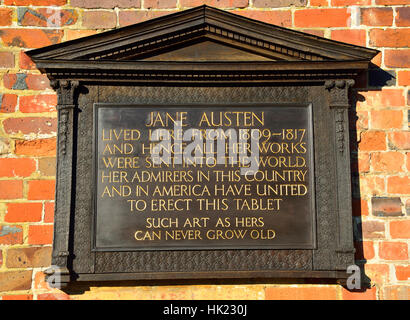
[(390, 161), (39, 147), (399, 140), (46, 17), (40, 234), (396, 292), (53, 296), (29, 125), (47, 166), (105, 4), (325, 18), (41, 190), (160, 4), (16, 81), (403, 17), (35, 2), (6, 16), (278, 3), (126, 18), (393, 251), (364, 250), (4, 146), (15, 280), (11, 189), (382, 98), (49, 212), (319, 3), (38, 103), (402, 272), (392, 2), (1, 258), (397, 38), (75, 34), (373, 229), (37, 82), (378, 273), (397, 58), (30, 38), (367, 294), (343, 3), (8, 102), (372, 141), (376, 16), (398, 185), (404, 78), (216, 3), (25, 62), (17, 167), (352, 36), (33, 257), (10, 234), (281, 18), (400, 229), (24, 212), (372, 185), (386, 207), (301, 293), (6, 60), (17, 297), (99, 19)]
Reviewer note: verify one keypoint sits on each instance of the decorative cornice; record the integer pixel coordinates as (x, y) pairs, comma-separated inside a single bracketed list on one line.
[(339, 92), (66, 92)]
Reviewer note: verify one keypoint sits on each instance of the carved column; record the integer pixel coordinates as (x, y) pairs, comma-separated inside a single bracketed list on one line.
[(66, 90), (339, 104)]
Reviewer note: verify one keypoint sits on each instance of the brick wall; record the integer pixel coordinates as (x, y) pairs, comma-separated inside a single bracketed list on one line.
[(380, 139)]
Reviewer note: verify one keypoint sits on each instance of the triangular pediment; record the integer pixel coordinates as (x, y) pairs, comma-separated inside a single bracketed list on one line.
[(198, 25)]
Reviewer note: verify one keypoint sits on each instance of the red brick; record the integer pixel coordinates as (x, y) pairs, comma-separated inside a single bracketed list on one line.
[(160, 4), (390, 161), (30, 38), (315, 32), (105, 4), (75, 34), (397, 58), (11, 235), (8, 102), (11, 189), (18, 297), (397, 38), (372, 141), (281, 18), (37, 82), (33, 257), (26, 62), (382, 98), (53, 296), (360, 207), (46, 17), (396, 292), (319, 3), (364, 250), (393, 251), (399, 140), (35, 2), (40, 234), (273, 3), (1, 258), (99, 19), (9, 80), (363, 162), (378, 273), (39, 147), (15, 280), (402, 272), (400, 229), (343, 3), (38, 103), (41, 190), (322, 18), (352, 36), (6, 60), (372, 185), (398, 185), (47, 166), (403, 17), (373, 229), (17, 167), (368, 294), (6, 16), (28, 125), (392, 2), (49, 212), (404, 77), (126, 18), (376, 16), (24, 212), (216, 3), (301, 293)]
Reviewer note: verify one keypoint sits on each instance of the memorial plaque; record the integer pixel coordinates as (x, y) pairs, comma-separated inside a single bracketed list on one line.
[(202, 145), (194, 199)]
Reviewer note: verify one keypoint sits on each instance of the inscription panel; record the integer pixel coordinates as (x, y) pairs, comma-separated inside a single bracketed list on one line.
[(203, 177)]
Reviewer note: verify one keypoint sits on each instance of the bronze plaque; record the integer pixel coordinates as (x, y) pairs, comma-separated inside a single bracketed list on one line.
[(180, 177)]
